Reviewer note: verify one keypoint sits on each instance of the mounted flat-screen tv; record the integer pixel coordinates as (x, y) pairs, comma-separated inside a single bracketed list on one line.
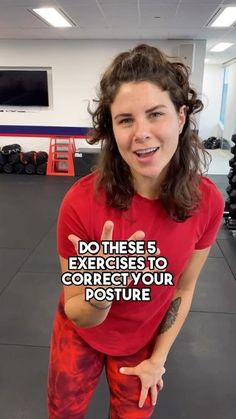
[(23, 88)]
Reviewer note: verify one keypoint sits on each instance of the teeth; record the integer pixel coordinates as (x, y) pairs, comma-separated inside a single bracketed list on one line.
[(147, 150)]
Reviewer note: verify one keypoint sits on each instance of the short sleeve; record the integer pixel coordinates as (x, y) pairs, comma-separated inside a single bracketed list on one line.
[(72, 219), (215, 209)]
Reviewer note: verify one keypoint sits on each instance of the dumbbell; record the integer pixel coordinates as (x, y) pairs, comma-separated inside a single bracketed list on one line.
[(8, 168), (232, 194), (233, 138), (226, 210), (230, 210), (233, 149), (232, 162), (19, 168), (232, 181), (230, 174), (3, 159), (30, 169), (231, 224), (14, 158), (227, 204)]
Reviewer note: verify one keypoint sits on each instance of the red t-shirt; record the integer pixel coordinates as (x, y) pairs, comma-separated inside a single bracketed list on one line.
[(131, 324)]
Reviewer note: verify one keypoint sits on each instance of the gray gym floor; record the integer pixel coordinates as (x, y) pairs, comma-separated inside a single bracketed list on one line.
[(200, 381)]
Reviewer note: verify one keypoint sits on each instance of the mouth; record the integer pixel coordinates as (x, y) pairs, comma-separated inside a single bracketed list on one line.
[(146, 152)]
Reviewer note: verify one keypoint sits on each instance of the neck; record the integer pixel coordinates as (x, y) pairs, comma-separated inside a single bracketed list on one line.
[(147, 189)]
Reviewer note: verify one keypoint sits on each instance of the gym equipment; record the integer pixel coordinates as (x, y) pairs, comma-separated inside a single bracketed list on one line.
[(84, 160), (19, 168), (8, 168), (232, 196), (229, 189), (28, 157), (41, 157), (230, 211), (18, 162), (232, 181), (60, 159), (230, 203), (12, 148), (30, 169), (211, 143), (41, 169), (230, 174), (14, 158), (233, 150), (233, 138), (3, 159), (232, 162), (232, 225)]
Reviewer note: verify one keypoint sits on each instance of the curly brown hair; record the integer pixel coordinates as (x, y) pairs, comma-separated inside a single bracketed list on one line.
[(179, 192)]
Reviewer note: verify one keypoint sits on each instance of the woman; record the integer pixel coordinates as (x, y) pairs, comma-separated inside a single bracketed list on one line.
[(148, 186)]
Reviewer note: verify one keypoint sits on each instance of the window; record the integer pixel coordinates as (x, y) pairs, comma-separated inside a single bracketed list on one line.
[(224, 95)]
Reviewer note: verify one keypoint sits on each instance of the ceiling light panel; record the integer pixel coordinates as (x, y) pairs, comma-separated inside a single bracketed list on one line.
[(222, 46), (226, 18), (53, 17)]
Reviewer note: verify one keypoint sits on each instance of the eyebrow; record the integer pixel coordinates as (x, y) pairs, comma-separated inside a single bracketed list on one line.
[(147, 111)]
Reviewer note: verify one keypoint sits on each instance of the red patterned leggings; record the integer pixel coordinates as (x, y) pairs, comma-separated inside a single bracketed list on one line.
[(74, 370)]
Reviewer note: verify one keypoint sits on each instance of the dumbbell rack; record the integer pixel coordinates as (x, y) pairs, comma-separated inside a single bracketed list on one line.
[(230, 203)]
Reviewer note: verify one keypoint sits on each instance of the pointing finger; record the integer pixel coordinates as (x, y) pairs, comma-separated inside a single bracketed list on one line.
[(107, 231)]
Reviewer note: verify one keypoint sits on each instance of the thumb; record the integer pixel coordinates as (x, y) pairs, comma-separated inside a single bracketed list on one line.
[(127, 371), (75, 240), (130, 279)]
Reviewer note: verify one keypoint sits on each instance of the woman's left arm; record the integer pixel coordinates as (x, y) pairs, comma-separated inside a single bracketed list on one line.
[(179, 307), (150, 371)]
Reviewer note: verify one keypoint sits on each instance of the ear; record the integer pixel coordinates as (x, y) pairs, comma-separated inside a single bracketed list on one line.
[(182, 116)]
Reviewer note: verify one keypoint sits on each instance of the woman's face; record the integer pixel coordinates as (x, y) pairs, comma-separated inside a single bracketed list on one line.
[(146, 127)]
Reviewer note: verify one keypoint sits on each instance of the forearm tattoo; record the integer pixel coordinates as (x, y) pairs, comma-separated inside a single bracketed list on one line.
[(170, 316)]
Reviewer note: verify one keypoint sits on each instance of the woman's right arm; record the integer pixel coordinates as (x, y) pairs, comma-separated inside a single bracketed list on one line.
[(77, 309), (83, 313)]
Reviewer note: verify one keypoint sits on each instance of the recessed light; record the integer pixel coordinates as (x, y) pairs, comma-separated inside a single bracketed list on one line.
[(222, 46), (53, 17), (226, 18)]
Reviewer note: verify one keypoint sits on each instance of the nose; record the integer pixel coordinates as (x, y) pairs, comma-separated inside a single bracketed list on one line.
[(141, 131)]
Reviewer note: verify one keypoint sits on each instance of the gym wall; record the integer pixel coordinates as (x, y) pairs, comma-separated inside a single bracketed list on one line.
[(76, 66), (211, 97), (230, 122)]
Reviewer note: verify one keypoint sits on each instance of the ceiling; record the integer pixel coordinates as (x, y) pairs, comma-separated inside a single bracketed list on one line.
[(121, 19)]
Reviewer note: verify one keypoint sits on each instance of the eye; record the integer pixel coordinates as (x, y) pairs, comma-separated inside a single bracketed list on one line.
[(125, 121), (155, 115)]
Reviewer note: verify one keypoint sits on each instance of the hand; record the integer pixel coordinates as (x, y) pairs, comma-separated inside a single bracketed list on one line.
[(106, 235), (150, 375)]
